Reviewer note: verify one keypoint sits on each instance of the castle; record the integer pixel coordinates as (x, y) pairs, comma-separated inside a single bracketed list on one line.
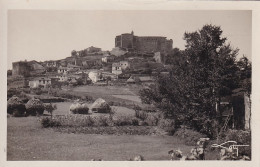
[(143, 44)]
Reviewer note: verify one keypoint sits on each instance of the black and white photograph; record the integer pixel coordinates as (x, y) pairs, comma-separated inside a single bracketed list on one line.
[(129, 85)]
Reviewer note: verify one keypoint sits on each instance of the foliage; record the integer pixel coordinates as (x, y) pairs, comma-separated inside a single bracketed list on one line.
[(242, 138), (15, 106), (34, 106), (199, 77), (175, 57), (188, 135), (50, 108), (168, 125), (110, 130), (48, 122), (152, 120), (124, 121), (79, 108), (9, 72), (141, 114), (12, 91), (39, 91)]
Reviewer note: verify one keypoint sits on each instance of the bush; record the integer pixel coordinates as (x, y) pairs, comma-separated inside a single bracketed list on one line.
[(88, 98), (34, 106), (152, 120), (89, 121), (190, 136), (123, 121), (79, 108), (141, 114), (242, 138), (15, 106), (168, 125), (135, 122), (104, 121), (50, 108), (48, 122), (12, 92), (39, 91)]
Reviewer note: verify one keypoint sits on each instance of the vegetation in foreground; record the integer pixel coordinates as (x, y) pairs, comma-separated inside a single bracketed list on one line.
[(199, 78), (48, 144)]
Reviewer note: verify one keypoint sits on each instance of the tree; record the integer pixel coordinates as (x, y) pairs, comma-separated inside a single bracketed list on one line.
[(74, 53), (50, 108), (9, 72), (175, 57), (200, 75), (245, 72)]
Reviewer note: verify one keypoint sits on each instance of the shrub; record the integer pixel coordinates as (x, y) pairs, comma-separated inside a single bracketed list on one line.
[(79, 108), (135, 122), (152, 120), (242, 138), (141, 114), (122, 121), (12, 92), (168, 125), (50, 108), (89, 121), (34, 106), (88, 98), (190, 136), (104, 121), (15, 106), (48, 122), (39, 91)]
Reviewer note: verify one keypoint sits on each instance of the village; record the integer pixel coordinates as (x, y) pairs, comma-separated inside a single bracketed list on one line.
[(122, 64)]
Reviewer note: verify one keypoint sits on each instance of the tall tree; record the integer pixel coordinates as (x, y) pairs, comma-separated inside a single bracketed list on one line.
[(74, 53), (196, 84)]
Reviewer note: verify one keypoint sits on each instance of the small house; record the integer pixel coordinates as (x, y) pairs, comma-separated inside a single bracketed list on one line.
[(95, 76), (117, 68), (40, 82)]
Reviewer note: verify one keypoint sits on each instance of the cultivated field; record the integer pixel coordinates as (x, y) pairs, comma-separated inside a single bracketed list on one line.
[(27, 140), (126, 94), (63, 109)]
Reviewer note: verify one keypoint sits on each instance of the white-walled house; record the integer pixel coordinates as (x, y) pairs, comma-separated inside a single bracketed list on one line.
[(37, 82), (95, 76), (116, 68)]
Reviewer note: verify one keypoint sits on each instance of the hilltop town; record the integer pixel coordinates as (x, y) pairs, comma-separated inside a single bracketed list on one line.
[(135, 59), (142, 95)]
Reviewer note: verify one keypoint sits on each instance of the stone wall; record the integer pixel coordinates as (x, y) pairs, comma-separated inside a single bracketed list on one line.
[(21, 68), (143, 44)]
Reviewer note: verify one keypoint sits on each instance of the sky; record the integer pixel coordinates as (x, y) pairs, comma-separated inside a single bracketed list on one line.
[(52, 34)]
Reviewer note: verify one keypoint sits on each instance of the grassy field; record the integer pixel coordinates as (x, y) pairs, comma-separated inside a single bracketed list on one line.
[(27, 140), (63, 109), (126, 94)]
